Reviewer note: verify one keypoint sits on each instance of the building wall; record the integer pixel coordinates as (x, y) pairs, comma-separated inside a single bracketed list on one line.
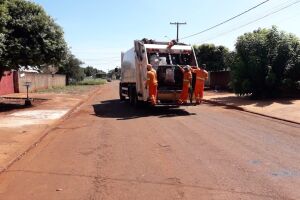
[(7, 83), (40, 81), (219, 80)]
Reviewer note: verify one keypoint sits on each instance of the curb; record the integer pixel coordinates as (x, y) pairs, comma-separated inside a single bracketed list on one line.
[(248, 111), (52, 127)]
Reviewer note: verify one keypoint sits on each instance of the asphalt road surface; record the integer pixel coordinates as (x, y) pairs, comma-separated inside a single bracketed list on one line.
[(109, 150)]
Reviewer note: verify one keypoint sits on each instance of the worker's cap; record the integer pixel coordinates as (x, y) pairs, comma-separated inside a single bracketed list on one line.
[(187, 68)]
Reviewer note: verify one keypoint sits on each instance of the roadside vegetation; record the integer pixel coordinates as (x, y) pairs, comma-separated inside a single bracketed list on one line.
[(70, 89), (29, 37), (267, 64), (79, 87), (91, 81), (264, 64), (216, 58)]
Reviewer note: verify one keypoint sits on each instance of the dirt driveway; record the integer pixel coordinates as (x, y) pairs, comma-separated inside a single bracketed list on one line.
[(21, 127)]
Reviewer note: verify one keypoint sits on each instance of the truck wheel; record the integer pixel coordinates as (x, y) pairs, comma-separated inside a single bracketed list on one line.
[(130, 95), (136, 100), (133, 98), (122, 98)]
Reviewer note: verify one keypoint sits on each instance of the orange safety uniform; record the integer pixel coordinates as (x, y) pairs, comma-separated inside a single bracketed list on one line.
[(201, 76), (187, 77), (152, 85)]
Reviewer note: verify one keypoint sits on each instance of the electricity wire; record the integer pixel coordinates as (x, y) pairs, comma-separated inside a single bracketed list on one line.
[(228, 20), (253, 21)]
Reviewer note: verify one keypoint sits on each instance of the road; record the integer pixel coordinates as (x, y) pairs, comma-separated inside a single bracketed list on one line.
[(109, 150)]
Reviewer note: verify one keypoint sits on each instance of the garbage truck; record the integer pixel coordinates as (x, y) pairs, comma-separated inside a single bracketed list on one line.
[(165, 57)]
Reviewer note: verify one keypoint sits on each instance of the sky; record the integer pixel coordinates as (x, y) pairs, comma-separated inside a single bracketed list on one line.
[(97, 31)]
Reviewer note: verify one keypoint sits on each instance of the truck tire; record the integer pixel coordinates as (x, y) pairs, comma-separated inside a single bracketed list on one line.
[(122, 98), (133, 98), (130, 95)]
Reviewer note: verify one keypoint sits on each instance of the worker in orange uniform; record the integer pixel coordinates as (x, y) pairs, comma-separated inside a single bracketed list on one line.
[(152, 84), (187, 78), (201, 76)]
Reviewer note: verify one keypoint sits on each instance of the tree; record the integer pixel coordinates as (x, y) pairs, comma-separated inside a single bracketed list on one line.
[(216, 58), (71, 68), (90, 71), (267, 61), (114, 73), (31, 37), (3, 20)]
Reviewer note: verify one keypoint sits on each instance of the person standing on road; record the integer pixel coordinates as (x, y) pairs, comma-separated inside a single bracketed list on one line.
[(187, 78), (151, 84), (201, 76)]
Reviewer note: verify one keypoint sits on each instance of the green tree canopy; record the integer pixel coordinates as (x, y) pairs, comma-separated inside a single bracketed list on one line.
[(29, 36), (71, 68), (90, 71), (216, 58), (116, 72), (267, 63), (3, 20)]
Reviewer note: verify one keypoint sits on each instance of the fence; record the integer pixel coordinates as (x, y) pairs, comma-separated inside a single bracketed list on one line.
[(40, 81), (219, 80), (13, 82)]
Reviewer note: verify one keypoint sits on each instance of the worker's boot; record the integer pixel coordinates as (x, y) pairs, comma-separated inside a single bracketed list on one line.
[(153, 102), (198, 101), (179, 102)]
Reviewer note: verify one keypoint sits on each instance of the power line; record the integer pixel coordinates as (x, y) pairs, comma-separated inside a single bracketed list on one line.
[(228, 20), (247, 23), (253, 21)]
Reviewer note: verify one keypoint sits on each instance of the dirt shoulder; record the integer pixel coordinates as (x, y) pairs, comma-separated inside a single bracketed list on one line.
[(286, 109), (21, 127)]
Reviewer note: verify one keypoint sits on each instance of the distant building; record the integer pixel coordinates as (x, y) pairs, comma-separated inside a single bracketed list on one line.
[(101, 75)]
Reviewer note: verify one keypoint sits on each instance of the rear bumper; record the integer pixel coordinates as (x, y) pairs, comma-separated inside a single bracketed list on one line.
[(170, 95)]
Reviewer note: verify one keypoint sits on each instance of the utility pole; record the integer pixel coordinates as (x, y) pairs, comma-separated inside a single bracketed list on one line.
[(177, 24)]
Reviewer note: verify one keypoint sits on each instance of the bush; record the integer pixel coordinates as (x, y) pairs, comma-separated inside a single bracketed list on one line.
[(267, 63), (216, 58)]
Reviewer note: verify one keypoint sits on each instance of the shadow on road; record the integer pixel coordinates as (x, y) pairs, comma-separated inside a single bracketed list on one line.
[(6, 107), (8, 104), (123, 111), (221, 104), (245, 101)]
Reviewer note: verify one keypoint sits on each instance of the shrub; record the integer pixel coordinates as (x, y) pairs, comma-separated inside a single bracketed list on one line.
[(267, 63)]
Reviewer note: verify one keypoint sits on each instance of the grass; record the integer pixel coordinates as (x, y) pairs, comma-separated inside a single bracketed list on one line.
[(78, 88), (92, 82)]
